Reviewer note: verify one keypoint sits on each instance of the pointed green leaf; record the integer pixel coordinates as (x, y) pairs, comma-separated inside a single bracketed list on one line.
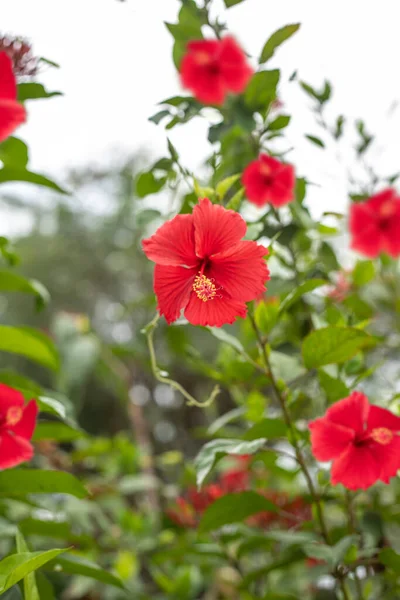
[(30, 343), (232, 508), (30, 588), (276, 39), (77, 565), (18, 174), (334, 345), (15, 567), (17, 482), (12, 282), (34, 91), (304, 288)]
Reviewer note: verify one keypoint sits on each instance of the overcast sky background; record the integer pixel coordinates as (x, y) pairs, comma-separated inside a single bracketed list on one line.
[(115, 60)]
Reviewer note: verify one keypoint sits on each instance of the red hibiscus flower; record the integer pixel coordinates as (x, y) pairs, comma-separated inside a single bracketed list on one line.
[(12, 114), (375, 224), (203, 267), (17, 423), (268, 181), (361, 439), (212, 68)]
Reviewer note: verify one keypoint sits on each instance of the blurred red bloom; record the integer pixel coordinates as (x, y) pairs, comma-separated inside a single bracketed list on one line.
[(17, 423), (340, 290), (235, 480), (212, 68), (12, 114), (296, 509), (203, 267), (361, 439), (375, 224), (182, 514), (268, 181)]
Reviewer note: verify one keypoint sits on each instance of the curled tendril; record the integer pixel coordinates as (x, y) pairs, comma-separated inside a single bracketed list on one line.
[(191, 401)]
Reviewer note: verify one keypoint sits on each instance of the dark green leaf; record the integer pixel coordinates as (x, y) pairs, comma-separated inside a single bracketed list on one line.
[(261, 90), (159, 116), (77, 565), (56, 431), (30, 343), (315, 140), (276, 39), (14, 153), (34, 91), (12, 282), (334, 345), (18, 174), (279, 123), (390, 559), (267, 428), (35, 481), (229, 3), (304, 288), (232, 508), (322, 97), (147, 184), (215, 450)]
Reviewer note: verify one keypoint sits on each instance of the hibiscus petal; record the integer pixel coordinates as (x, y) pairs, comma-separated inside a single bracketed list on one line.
[(8, 86), (366, 236), (388, 456), (13, 450), (329, 440), (12, 115), (357, 468), (216, 228), (172, 286), (241, 271), (206, 85), (257, 191), (392, 236), (26, 426), (9, 397), (381, 417), (234, 68), (173, 243), (350, 412), (215, 312)]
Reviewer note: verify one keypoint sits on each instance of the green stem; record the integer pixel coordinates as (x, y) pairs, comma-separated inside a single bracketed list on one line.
[(149, 332), (353, 529)]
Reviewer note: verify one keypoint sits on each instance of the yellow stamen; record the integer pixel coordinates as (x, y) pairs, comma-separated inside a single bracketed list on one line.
[(382, 435), (14, 415), (204, 288)]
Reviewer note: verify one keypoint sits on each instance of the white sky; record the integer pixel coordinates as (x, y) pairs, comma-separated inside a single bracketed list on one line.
[(116, 65)]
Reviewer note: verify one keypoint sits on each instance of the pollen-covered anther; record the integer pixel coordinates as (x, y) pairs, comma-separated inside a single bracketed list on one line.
[(14, 415), (204, 287), (382, 435)]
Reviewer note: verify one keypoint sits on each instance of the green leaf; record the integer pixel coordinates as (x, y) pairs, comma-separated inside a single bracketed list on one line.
[(56, 431), (224, 419), (159, 116), (229, 339), (330, 554), (18, 174), (14, 153), (280, 122), (315, 140), (77, 565), (52, 406), (30, 343), (334, 345), (261, 90), (321, 97), (30, 589), (35, 481), (12, 282), (276, 39), (266, 429), (53, 529), (147, 184), (232, 508), (363, 272), (229, 3), (17, 566), (334, 388), (266, 315), (236, 200), (34, 91), (304, 288), (213, 451), (390, 559), (224, 185)]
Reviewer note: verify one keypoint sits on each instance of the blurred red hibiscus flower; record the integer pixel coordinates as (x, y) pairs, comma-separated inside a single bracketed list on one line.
[(204, 267), (361, 439), (268, 181), (17, 423), (375, 224), (213, 68), (12, 113)]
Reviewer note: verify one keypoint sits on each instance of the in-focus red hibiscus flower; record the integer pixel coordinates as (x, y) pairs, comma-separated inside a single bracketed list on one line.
[(12, 114), (268, 181), (17, 423), (375, 224), (213, 68), (203, 267), (361, 439)]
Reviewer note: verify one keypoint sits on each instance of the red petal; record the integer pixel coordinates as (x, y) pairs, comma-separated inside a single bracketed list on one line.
[(366, 236), (173, 243), (13, 450), (241, 271), (9, 397), (381, 417), (209, 47), (357, 468), (172, 286), (388, 457), (8, 86), (257, 191), (26, 426), (205, 84), (215, 312), (392, 236), (216, 228), (351, 412), (234, 68), (329, 440), (12, 115)]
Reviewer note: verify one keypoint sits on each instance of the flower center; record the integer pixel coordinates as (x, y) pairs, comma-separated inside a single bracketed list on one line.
[(382, 435), (14, 415), (203, 58), (387, 210), (204, 287)]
